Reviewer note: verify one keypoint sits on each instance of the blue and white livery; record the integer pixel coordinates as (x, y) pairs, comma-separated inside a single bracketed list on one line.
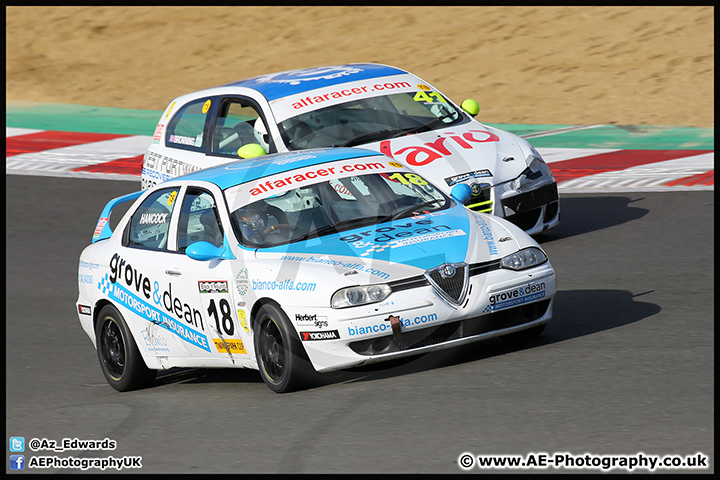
[(302, 262), (372, 106)]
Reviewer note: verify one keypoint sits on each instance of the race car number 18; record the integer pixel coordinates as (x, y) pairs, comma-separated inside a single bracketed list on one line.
[(224, 324), (408, 178)]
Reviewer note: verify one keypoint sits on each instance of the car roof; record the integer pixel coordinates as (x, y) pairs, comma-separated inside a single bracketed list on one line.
[(291, 82), (248, 170)]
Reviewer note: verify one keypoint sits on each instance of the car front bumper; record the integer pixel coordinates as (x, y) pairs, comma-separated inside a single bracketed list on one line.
[(417, 320), (534, 211)]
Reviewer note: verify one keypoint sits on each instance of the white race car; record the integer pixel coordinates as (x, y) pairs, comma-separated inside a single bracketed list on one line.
[(299, 263), (373, 106)]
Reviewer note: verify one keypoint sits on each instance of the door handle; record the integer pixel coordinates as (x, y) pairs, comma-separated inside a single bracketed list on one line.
[(173, 273)]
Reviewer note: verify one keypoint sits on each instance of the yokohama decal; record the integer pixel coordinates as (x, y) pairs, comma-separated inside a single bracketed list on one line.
[(311, 336)]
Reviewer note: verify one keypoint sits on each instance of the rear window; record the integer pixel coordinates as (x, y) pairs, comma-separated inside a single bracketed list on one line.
[(187, 128)]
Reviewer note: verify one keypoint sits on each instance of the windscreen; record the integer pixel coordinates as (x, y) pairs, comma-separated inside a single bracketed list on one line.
[(367, 120), (335, 205)]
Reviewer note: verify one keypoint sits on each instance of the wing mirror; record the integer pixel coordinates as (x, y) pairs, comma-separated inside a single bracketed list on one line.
[(461, 193), (204, 251)]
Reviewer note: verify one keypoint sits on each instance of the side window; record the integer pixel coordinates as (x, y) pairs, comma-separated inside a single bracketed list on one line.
[(186, 130), (150, 224), (199, 220), (238, 123)]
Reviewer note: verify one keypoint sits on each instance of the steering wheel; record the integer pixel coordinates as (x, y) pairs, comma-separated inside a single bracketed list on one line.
[(280, 226)]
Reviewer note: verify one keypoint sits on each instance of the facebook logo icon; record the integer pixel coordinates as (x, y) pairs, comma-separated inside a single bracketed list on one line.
[(17, 462)]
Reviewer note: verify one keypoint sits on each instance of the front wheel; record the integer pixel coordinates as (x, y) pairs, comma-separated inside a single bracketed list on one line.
[(281, 359), (120, 359)]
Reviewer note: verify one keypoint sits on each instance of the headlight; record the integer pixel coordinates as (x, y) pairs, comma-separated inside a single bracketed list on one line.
[(362, 295), (536, 174), (526, 258)]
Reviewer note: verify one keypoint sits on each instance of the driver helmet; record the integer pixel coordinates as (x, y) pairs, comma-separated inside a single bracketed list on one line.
[(261, 133)]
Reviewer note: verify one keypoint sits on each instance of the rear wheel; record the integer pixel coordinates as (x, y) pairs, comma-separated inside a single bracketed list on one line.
[(120, 359), (281, 359)]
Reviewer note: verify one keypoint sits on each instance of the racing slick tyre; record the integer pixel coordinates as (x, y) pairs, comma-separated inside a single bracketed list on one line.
[(281, 358), (120, 359)]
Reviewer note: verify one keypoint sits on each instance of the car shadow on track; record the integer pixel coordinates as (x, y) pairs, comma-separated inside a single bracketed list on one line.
[(207, 375), (581, 214), (576, 313)]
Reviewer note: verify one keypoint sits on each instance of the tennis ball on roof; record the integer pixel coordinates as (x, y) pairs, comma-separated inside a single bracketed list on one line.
[(251, 150), (470, 106)]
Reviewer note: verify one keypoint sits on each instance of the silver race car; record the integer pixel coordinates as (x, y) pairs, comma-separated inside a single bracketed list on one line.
[(373, 106)]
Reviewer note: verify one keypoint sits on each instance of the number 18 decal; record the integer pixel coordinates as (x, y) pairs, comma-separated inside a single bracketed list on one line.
[(215, 298), (406, 178), (223, 322)]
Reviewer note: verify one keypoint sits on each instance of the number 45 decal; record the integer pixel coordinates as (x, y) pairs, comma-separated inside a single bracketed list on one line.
[(425, 97)]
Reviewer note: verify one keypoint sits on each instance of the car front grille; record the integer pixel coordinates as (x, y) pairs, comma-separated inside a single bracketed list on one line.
[(525, 209), (446, 332), (450, 281), (422, 281), (526, 220)]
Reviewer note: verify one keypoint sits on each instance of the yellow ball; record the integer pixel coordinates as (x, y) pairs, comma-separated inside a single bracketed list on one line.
[(470, 106), (251, 150)]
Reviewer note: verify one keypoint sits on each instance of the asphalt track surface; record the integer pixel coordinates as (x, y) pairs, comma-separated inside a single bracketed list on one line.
[(626, 366)]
